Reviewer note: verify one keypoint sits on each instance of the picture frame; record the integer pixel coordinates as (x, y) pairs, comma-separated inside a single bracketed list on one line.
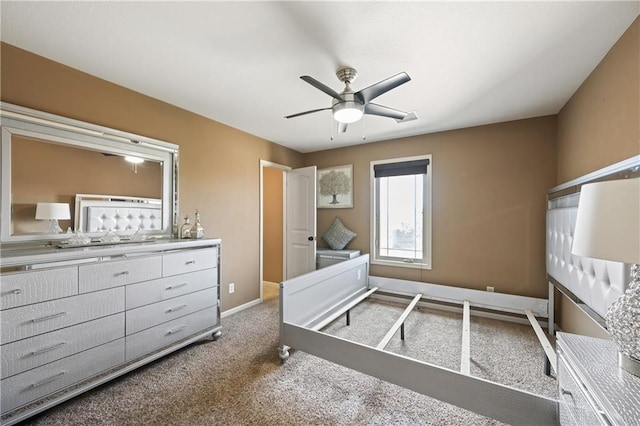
[(335, 187)]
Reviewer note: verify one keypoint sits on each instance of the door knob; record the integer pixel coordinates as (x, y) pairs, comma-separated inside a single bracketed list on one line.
[(311, 238)]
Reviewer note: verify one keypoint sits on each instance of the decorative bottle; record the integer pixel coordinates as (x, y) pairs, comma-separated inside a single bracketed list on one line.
[(185, 230), (197, 231)]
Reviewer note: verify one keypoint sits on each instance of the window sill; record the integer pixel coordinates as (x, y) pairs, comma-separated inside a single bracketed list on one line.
[(400, 264)]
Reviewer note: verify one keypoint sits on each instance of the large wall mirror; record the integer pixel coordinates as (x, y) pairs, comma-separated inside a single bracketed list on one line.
[(107, 180)]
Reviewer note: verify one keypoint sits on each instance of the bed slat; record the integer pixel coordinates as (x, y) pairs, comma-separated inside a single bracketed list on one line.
[(465, 357), (385, 341)]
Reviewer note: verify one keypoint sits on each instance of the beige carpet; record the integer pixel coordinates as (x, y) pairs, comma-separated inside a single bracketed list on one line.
[(239, 379)]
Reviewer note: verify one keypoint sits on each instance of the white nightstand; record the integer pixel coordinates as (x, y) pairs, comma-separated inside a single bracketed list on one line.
[(592, 390)]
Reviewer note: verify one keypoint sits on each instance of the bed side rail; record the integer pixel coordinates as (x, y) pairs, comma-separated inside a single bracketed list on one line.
[(477, 298), (481, 396)]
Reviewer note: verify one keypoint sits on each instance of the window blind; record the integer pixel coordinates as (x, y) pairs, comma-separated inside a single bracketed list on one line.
[(415, 167)]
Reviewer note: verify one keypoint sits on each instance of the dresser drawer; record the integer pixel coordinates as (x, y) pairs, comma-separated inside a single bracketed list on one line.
[(39, 382), (31, 320), (189, 260), (574, 408), (24, 288), (151, 339), (166, 288), (157, 313), (29, 353), (99, 276)]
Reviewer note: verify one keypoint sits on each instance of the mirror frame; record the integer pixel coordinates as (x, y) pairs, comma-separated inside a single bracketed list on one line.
[(26, 122)]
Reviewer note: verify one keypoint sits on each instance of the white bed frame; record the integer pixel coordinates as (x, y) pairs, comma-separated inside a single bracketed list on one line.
[(310, 302)]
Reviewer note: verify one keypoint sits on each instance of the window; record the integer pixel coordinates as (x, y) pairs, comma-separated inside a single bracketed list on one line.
[(401, 212)]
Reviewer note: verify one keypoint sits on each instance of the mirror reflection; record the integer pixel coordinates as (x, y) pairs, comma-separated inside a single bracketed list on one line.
[(45, 172)]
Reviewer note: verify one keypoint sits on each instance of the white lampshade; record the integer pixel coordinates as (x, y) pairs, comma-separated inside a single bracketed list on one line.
[(608, 222), (48, 211)]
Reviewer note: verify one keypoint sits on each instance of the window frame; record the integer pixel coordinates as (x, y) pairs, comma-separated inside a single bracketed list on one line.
[(376, 258)]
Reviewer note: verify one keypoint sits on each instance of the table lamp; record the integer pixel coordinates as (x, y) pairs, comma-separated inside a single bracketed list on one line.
[(608, 227), (53, 212)]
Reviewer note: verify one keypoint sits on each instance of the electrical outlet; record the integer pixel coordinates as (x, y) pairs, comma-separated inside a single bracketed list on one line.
[(232, 288), (490, 289)]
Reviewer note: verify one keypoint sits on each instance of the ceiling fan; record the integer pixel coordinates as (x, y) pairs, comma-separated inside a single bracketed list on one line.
[(349, 106)]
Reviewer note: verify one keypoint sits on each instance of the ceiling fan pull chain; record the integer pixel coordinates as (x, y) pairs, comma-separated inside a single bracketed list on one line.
[(364, 133), (331, 126)]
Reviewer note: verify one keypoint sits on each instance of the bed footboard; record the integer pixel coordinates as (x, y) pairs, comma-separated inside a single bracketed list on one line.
[(312, 299)]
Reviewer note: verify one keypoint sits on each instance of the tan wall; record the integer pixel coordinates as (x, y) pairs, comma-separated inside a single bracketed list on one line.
[(46, 172), (489, 189), (273, 229), (219, 165), (599, 126)]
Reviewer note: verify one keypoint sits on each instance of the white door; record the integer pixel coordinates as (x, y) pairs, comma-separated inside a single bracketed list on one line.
[(300, 221)]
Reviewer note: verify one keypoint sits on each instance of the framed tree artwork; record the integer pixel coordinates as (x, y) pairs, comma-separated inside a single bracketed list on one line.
[(335, 187)]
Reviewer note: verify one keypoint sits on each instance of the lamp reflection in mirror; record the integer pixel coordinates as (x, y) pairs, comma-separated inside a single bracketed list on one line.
[(53, 212), (608, 227)]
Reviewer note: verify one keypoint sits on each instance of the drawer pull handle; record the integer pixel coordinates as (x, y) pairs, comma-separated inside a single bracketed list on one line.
[(47, 349), (176, 330), (122, 273), (48, 317), (177, 308), (17, 291), (173, 287), (190, 262), (48, 380)]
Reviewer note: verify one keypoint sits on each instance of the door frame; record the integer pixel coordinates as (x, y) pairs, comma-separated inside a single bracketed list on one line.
[(264, 164)]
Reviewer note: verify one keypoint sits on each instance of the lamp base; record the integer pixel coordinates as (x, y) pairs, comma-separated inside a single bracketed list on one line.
[(623, 324), (628, 364), (53, 227)]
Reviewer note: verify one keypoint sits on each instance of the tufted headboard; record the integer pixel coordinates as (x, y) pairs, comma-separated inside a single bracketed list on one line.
[(123, 215), (591, 282)]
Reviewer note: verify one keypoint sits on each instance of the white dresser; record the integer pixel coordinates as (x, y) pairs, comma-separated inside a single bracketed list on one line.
[(592, 389), (74, 318)]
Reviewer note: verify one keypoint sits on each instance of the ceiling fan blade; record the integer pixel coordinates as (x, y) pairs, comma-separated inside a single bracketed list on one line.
[(383, 111), (342, 127), (370, 93), (306, 112), (326, 89)]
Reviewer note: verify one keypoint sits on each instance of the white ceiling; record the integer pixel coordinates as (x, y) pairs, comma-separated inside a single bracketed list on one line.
[(239, 63)]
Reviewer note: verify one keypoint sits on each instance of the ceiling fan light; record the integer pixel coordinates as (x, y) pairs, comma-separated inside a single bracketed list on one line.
[(347, 112), (134, 160)]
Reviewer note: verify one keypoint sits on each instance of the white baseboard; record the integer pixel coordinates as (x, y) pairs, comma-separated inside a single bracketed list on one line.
[(240, 308)]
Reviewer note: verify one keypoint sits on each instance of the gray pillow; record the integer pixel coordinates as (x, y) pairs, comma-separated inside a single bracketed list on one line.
[(338, 235)]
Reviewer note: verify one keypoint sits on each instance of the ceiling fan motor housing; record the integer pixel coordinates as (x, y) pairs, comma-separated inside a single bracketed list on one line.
[(346, 74)]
